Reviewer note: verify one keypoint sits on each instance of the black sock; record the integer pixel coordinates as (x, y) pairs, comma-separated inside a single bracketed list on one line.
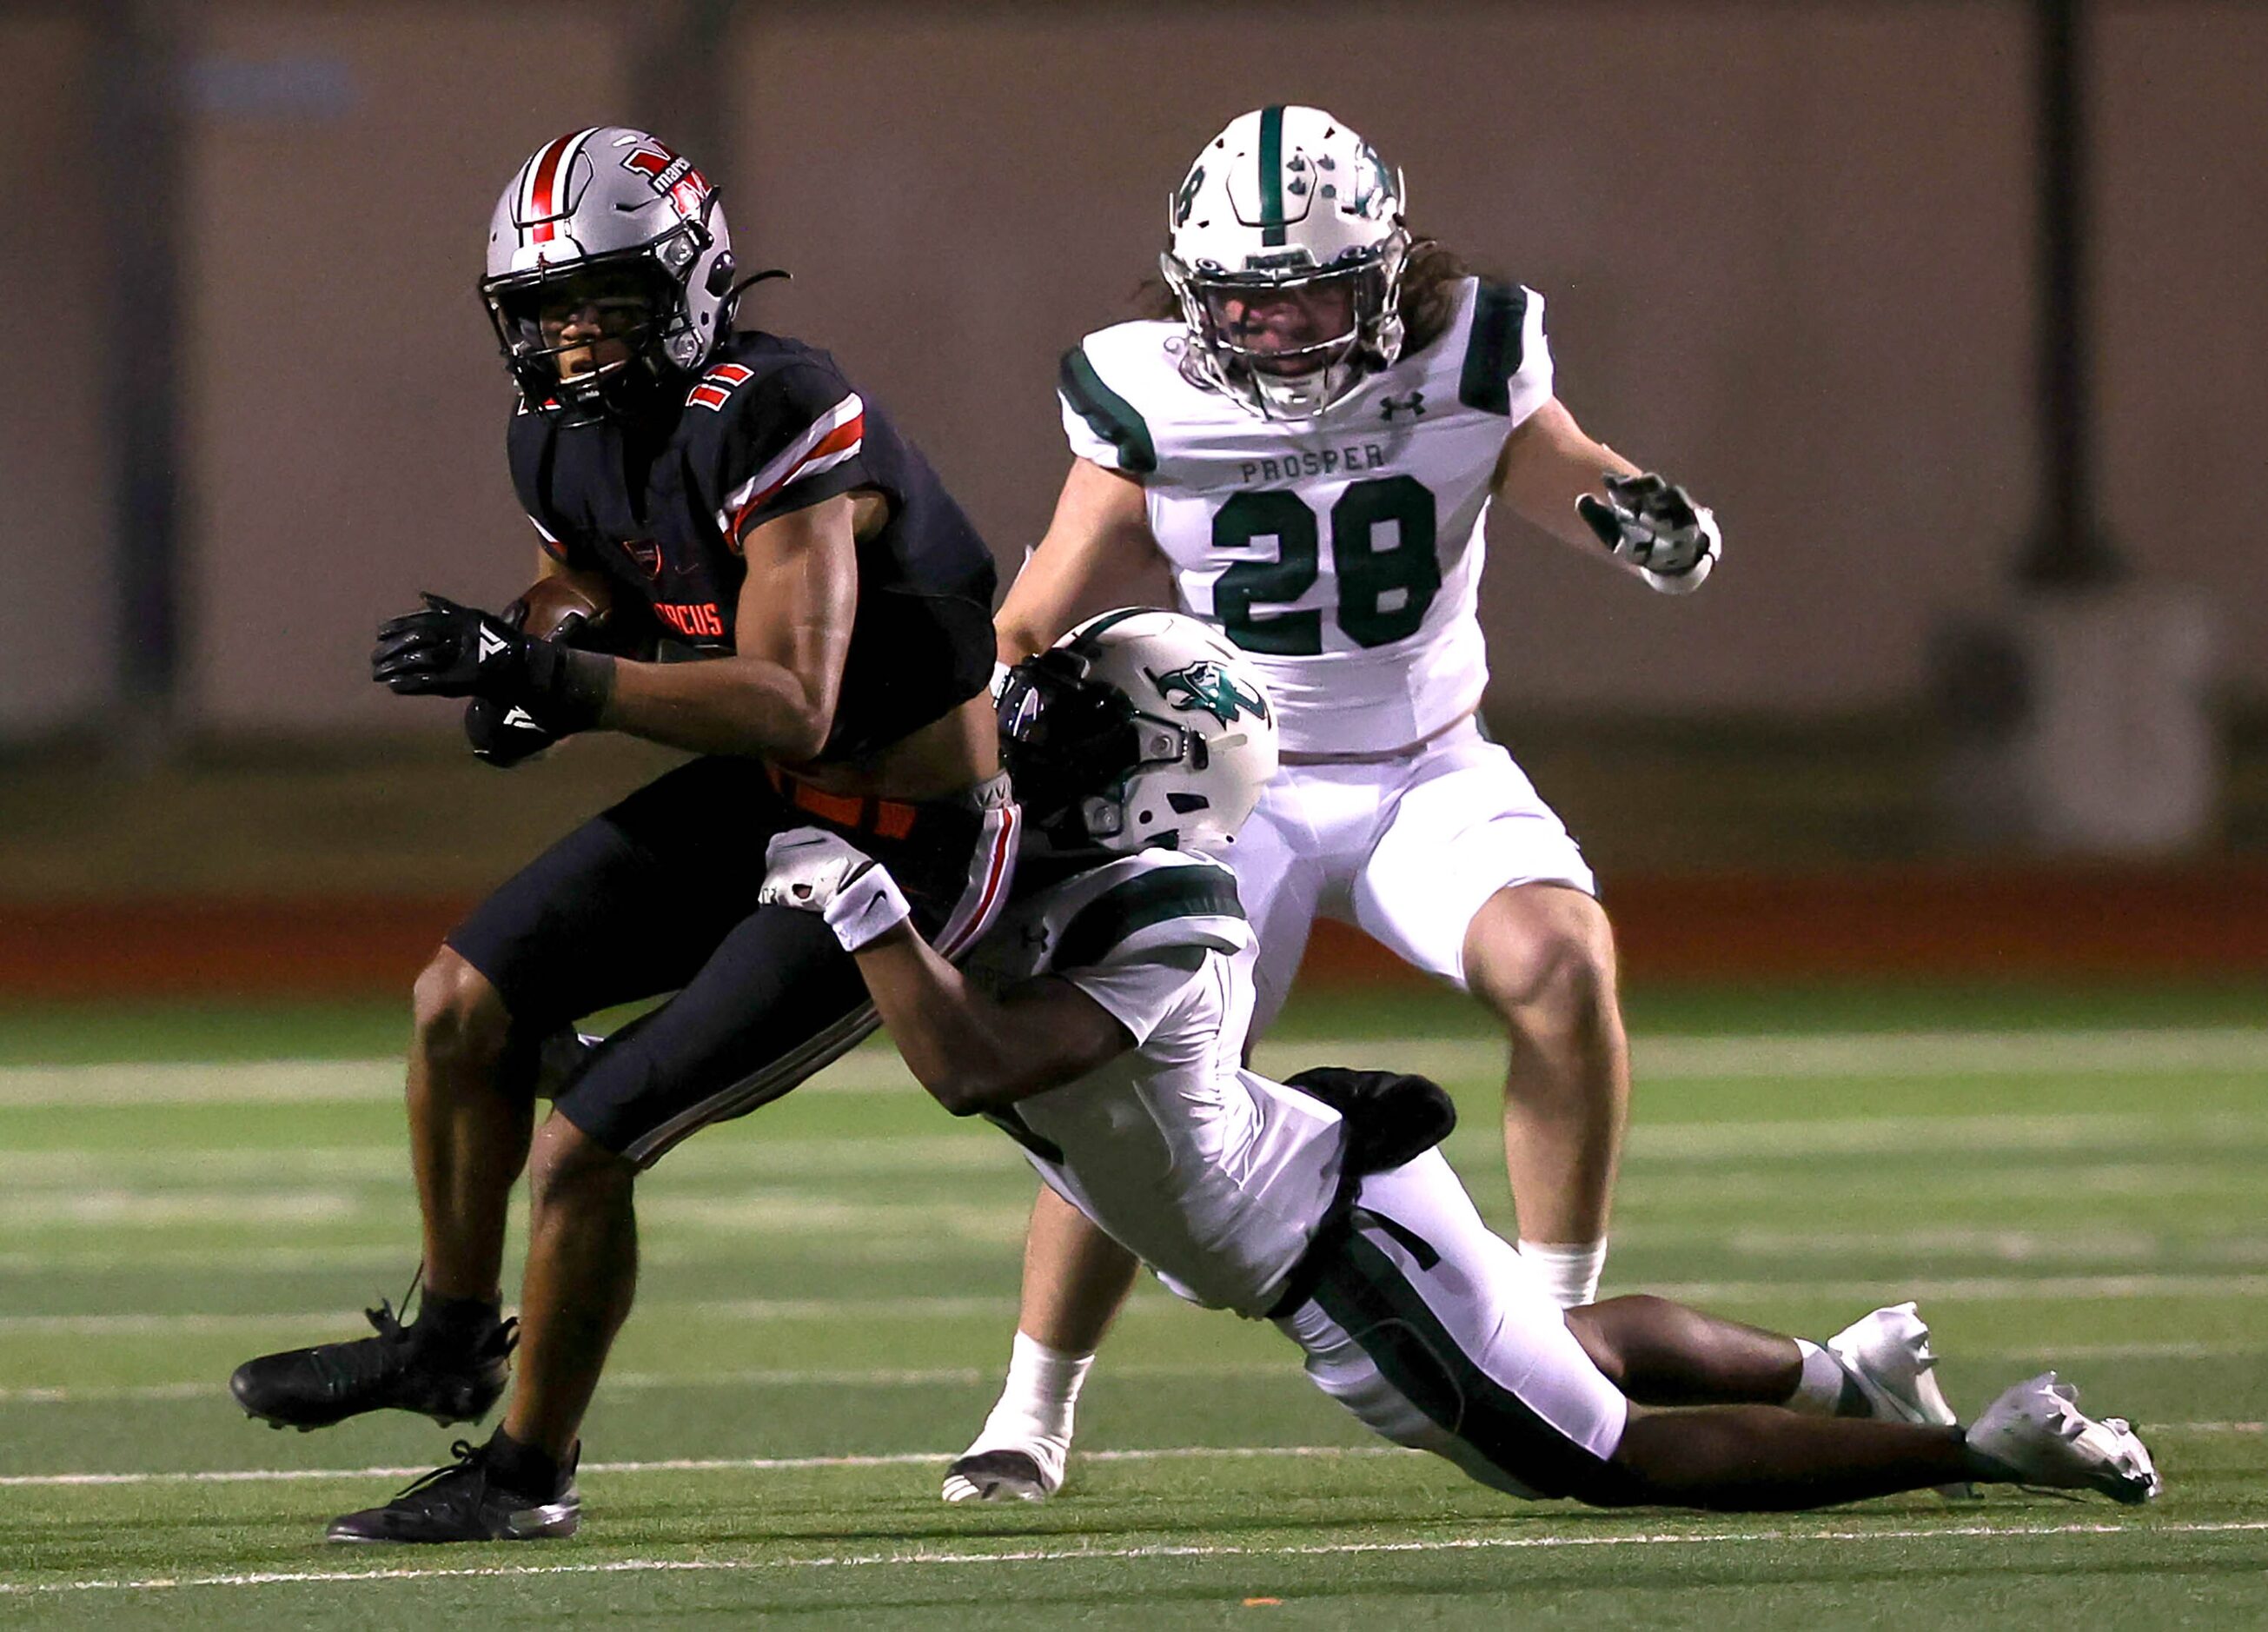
[(453, 1325), (521, 1469)]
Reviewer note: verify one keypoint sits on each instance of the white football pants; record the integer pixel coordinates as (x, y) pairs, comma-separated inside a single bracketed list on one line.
[(1405, 850), (1440, 1337)]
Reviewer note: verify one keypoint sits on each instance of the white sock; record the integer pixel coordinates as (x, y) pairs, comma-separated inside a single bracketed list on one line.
[(1820, 1390), (1037, 1404), (1571, 1273)]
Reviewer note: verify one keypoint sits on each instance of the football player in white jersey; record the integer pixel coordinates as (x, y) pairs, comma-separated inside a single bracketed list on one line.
[(1101, 1026), (1313, 440)]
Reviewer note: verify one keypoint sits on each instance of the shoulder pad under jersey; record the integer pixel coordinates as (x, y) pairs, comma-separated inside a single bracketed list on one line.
[(770, 430), (1141, 906), (1507, 363)]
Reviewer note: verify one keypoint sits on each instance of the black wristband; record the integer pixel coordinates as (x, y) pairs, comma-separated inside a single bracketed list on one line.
[(583, 686), (565, 688)]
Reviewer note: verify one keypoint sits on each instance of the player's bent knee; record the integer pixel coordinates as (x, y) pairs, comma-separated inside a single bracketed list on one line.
[(1542, 955), (568, 1168), (1596, 1335), (459, 1018)]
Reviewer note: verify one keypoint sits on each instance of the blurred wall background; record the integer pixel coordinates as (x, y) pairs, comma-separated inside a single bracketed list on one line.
[(1790, 253)]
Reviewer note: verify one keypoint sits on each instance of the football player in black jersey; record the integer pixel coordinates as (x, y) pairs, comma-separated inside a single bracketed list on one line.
[(697, 494)]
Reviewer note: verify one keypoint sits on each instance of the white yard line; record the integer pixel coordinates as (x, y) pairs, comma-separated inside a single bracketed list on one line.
[(873, 1069), (2099, 1247), (388, 1163), (1956, 1288), (82, 1171), (933, 1377), (693, 1465), (832, 1215), (1947, 1289), (1096, 1555), (737, 1309), (805, 1464)]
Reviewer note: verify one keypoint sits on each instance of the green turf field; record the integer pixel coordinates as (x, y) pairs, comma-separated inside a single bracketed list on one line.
[(2076, 1179)]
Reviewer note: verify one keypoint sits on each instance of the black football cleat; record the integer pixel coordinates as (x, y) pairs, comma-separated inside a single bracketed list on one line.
[(312, 1388), (463, 1502)]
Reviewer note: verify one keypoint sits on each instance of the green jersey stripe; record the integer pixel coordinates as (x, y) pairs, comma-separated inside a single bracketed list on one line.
[(1111, 416), (1271, 176), (1150, 899), (1492, 354)]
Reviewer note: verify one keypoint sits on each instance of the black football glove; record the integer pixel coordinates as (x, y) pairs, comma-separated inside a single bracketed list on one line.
[(505, 734), (1654, 525), (449, 650)]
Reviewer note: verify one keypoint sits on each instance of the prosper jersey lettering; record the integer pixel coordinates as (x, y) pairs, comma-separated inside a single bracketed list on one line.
[(1343, 553), (663, 506)]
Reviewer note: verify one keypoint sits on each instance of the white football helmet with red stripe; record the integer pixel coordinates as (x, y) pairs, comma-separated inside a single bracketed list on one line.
[(615, 208)]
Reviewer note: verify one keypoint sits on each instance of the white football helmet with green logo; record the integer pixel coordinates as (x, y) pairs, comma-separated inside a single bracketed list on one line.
[(1138, 730), (1288, 199)]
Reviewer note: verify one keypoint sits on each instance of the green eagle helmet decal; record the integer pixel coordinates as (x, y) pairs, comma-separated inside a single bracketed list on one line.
[(1204, 685)]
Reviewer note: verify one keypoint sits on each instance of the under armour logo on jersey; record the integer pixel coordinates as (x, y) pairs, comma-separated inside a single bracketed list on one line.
[(491, 643), (1035, 935), (1413, 405), (1204, 685)]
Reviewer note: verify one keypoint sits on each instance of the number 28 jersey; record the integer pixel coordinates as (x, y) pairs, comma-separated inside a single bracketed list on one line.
[(1342, 553)]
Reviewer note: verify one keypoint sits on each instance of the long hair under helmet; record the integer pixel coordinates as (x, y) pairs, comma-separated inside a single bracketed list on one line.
[(1286, 201), (615, 207)]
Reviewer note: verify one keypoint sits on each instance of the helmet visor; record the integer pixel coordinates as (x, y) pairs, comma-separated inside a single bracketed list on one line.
[(1062, 738), (585, 321), (1287, 327)]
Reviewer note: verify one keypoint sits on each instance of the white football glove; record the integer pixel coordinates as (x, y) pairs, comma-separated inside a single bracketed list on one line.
[(1655, 527), (814, 871)]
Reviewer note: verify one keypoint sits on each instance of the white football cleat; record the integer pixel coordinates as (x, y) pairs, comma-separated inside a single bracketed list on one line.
[(1887, 1354), (1032, 1472), (2036, 1431)]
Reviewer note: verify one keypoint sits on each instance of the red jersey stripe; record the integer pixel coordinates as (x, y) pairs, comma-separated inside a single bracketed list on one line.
[(841, 439)]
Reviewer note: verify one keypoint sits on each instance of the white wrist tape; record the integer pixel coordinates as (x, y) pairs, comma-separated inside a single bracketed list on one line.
[(1679, 583), (866, 907)]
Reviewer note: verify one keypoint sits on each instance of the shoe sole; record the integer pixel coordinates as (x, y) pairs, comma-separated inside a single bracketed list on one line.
[(995, 1476), (307, 1426), (553, 1521), (279, 1424)]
